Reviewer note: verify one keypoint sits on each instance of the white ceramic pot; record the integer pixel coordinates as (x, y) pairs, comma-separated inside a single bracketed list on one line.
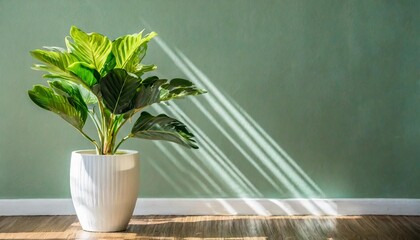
[(104, 189)]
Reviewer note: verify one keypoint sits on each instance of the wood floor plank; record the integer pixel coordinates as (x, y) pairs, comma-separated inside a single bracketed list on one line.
[(220, 227)]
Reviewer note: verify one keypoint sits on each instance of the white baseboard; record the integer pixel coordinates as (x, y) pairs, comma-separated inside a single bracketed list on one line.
[(233, 206)]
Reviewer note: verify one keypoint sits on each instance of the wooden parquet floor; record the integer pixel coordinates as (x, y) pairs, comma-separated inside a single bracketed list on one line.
[(220, 227)]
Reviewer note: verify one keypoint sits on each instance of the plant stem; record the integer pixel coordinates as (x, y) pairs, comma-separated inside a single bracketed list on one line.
[(103, 127), (91, 140), (108, 143), (118, 127), (94, 118), (122, 140)]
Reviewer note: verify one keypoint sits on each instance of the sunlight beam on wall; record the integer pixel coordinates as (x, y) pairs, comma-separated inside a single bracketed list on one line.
[(247, 133), (180, 168), (295, 181), (196, 167), (214, 156), (165, 176), (270, 161), (276, 146)]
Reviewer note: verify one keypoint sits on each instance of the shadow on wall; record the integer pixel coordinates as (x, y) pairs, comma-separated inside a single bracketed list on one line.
[(270, 162)]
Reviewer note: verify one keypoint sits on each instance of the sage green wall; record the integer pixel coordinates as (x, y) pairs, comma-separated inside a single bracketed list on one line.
[(307, 98)]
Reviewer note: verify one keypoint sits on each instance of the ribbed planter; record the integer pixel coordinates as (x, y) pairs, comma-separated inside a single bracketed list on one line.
[(104, 189)]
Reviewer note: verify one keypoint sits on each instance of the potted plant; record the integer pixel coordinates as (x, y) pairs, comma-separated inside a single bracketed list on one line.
[(104, 80)]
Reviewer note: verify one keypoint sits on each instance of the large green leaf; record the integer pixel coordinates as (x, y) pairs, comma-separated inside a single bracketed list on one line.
[(67, 109), (162, 127), (64, 89), (109, 64), (179, 88), (129, 50), (148, 92), (56, 63), (118, 89), (141, 69), (155, 90), (87, 73), (91, 48), (88, 96), (71, 91)]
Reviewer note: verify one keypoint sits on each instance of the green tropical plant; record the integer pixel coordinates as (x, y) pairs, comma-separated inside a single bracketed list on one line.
[(104, 80)]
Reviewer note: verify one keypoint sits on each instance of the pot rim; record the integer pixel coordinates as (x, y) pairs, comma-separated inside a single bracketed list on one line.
[(92, 152)]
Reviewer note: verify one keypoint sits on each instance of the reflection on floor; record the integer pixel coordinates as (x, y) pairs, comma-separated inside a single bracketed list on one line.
[(220, 227)]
